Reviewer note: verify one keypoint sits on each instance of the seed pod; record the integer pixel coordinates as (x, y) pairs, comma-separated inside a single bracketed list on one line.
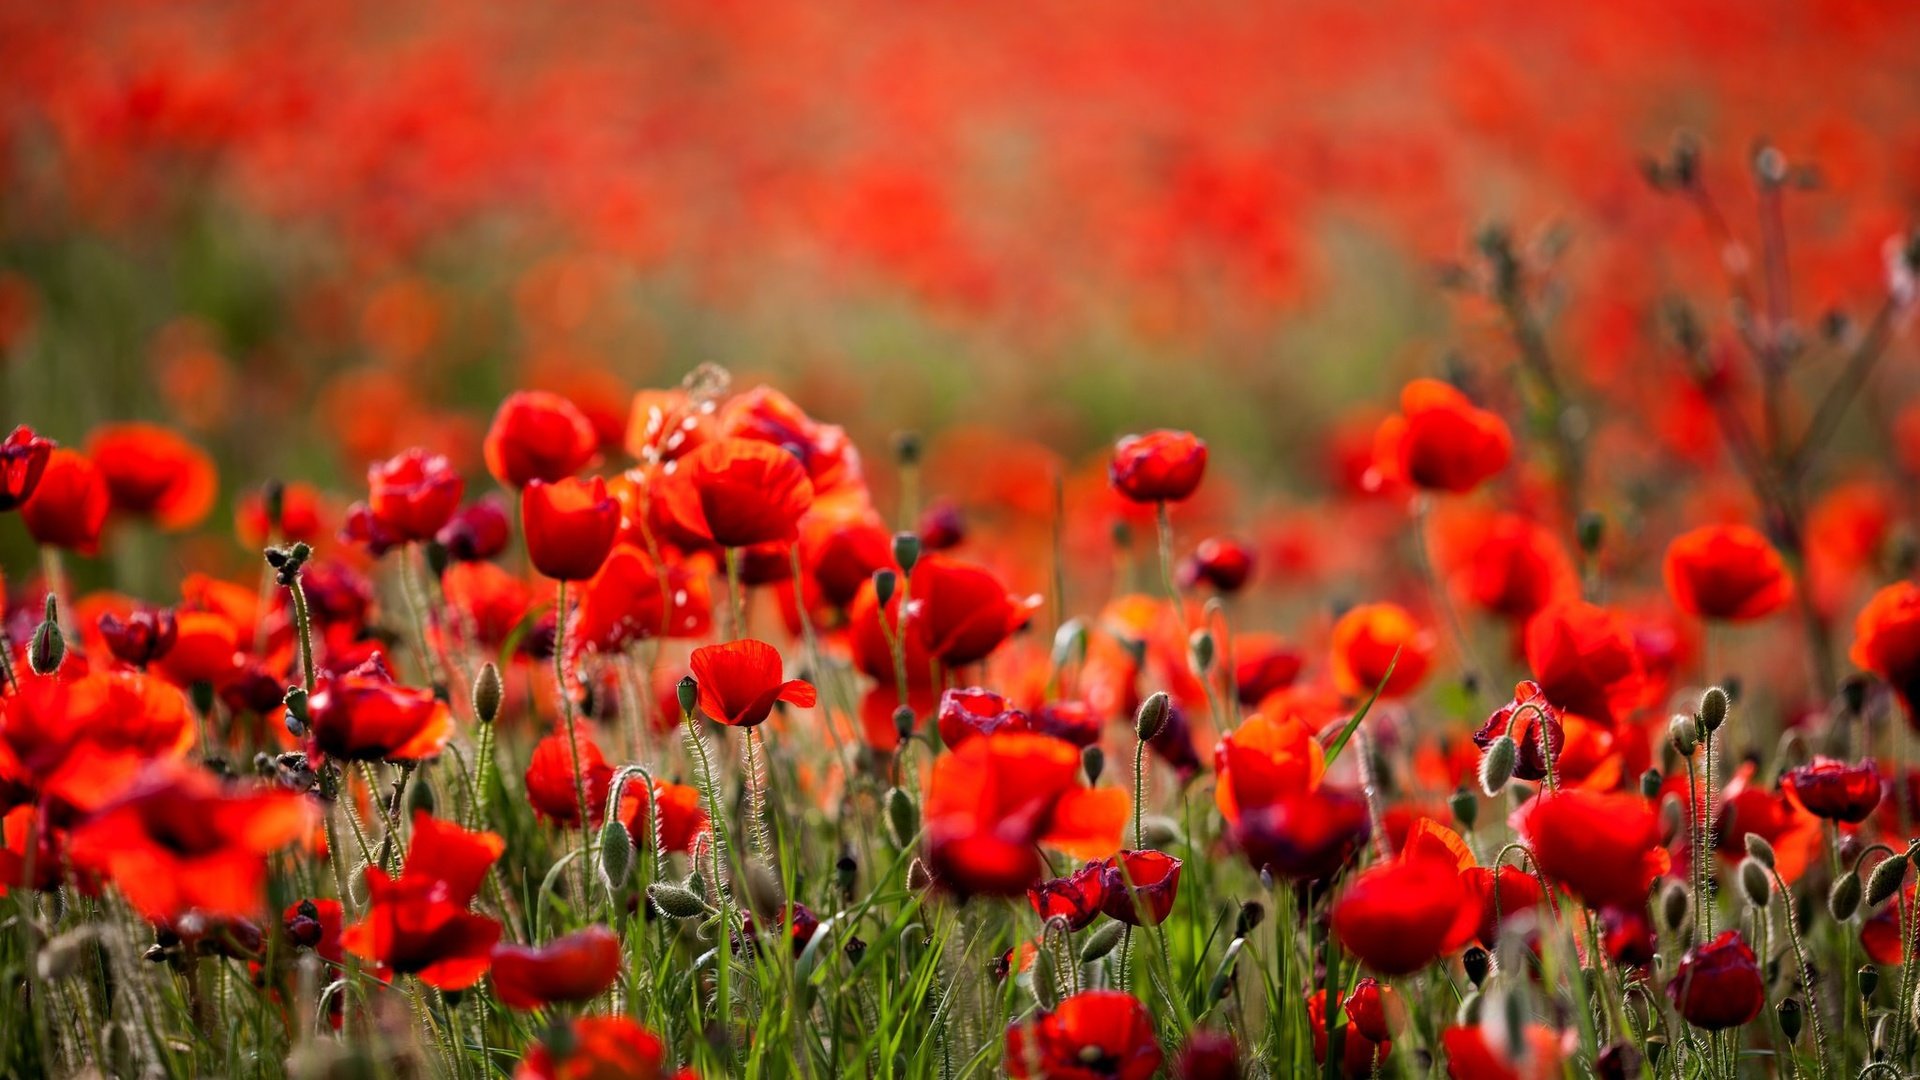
[(1650, 783), (1466, 808), (906, 550), (1868, 980), (1152, 715), (48, 647), (1886, 880), (1713, 709), (1755, 883), (487, 694), (884, 582), (1477, 962), (616, 852), (1683, 734), (1674, 906), (903, 817), (1200, 651), (675, 901), (1844, 898), (1101, 941), (1790, 1017), (1094, 760), (688, 692), (1496, 765), (1759, 849)]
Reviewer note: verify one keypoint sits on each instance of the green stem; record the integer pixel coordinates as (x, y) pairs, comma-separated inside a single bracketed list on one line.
[(573, 738)]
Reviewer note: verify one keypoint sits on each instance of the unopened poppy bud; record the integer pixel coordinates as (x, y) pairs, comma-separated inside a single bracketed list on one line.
[(420, 797), (616, 852), (906, 550), (297, 717), (1755, 883), (903, 817), (48, 646), (1496, 764), (1853, 694), (688, 692), (1670, 819), (1650, 783), (846, 875), (1759, 849), (487, 694), (1591, 529), (1790, 1017), (906, 447), (884, 582), (1152, 715), (675, 901), (1094, 761), (1200, 651), (273, 501), (1885, 880), (1683, 734), (437, 558), (1713, 709), (1844, 898), (904, 722), (1101, 941), (1673, 906), (1477, 962), (1465, 807), (1046, 989), (1867, 979)]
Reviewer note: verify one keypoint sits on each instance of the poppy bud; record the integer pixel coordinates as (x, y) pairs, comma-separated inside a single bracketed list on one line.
[(1477, 962), (1046, 988), (1650, 783), (1844, 898), (675, 901), (884, 582), (297, 718), (906, 550), (1466, 808), (688, 692), (1853, 694), (487, 694), (1252, 914), (1755, 883), (1591, 528), (1094, 761), (1670, 819), (1496, 765), (1200, 651), (1713, 709), (1867, 979), (1790, 1017), (846, 875), (1683, 734), (1673, 906), (1759, 849), (904, 722), (437, 558), (420, 798), (906, 447), (1152, 715), (48, 647), (616, 852), (1886, 880), (902, 817), (1101, 941)]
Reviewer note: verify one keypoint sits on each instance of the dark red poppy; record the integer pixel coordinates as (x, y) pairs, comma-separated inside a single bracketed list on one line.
[(1263, 664), (1585, 660), (569, 526), (1362, 1048), (1604, 848), (1626, 934), (410, 497), (1208, 1055), (1091, 1035), (151, 472), (740, 682), (315, 924), (993, 799), (1304, 835), (69, 505), (735, 493), (23, 458), (419, 923), (1159, 466), (574, 968), (364, 715), (537, 435), (683, 815), (1140, 886), (1834, 789), (141, 637), (961, 612), (1400, 916), (550, 780), (1075, 721), (479, 530), (1078, 898), (1219, 561), (975, 710), (1440, 441), (1718, 984), (1538, 721), (1886, 640), (941, 526), (1365, 642), (1726, 572), (841, 551), (600, 1048)]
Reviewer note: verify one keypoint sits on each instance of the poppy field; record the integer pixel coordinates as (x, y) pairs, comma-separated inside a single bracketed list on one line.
[(702, 539)]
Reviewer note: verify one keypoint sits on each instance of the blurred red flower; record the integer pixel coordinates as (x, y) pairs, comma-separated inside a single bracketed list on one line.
[(23, 458), (1726, 572), (1400, 916), (569, 969), (1886, 641), (364, 715), (419, 923), (1584, 660), (69, 505), (995, 797), (961, 612), (412, 495), (152, 472), (1440, 441), (1604, 848), (550, 775), (1362, 1047), (1091, 1035), (569, 525), (537, 435), (974, 710), (600, 1048), (1159, 466), (1835, 790), (1718, 984), (1365, 642)]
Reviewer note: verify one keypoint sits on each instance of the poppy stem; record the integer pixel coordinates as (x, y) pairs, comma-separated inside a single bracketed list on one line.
[(573, 737), (736, 602), (1163, 520), (1809, 987), (716, 823)]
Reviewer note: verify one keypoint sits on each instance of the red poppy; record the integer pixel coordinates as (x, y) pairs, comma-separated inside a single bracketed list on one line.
[(969, 711), (1500, 895), (1263, 760), (1470, 1056), (1078, 898), (1400, 916), (152, 472), (80, 738), (1718, 984), (1091, 1035), (1159, 466), (206, 649), (683, 817), (1219, 561), (411, 496), (1208, 1055), (1726, 572), (1304, 835), (871, 632), (798, 922), (315, 924), (490, 601), (991, 800), (1140, 886), (1513, 567), (1627, 936), (1585, 660), (735, 493), (300, 513), (1835, 790), (1604, 848), (740, 682), (142, 637), (766, 415), (479, 530), (550, 780), (574, 968), (537, 435), (1365, 642), (1262, 665), (1748, 807), (1440, 441), (419, 923), (624, 602), (569, 526), (69, 506), (1074, 721), (1362, 1048), (1537, 717), (961, 612), (180, 840), (841, 551), (23, 458), (1886, 640), (599, 1048), (364, 716)]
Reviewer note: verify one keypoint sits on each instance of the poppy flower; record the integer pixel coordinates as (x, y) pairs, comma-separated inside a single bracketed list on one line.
[(841, 552), (206, 649), (141, 637), (1074, 721), (23, 458), (1208, 1055), (364, 715), (995, 797), (1159, 466), (1499, 895), (1365, 641), (1440, 441), (1263, 760), (1626, 934), (683, 817), (1471, 1056), (181, 840), (1091, 1035), (1140, 886), (1717, 984), (69, 505), (1263, 664), (1512, 568), (621, 603), (537, 435), (80, 738), (419, 923), (411, 496), (1584, 660), (574, 968), (1726, 572), (1536, 716), (550, 780), (1886, 640), (1749, 807), (969, 711), (599, 1048), (1400, 916), (1362, 1048), (871, 631), (151, 472), (740, 682), (300, 513), (479, 530), (961, 612), (1078, 898), (489, 601), (1219, 561), (569, 526), (1304, 835), (1604, 848), (735, 493), (1835, 790)]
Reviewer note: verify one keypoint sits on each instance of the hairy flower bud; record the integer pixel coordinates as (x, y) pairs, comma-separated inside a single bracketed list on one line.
[(1886, 880), (1200, 651), (688, 692), (1465, 807), (1101, 941), (488, 692), (1844, 898), (48, 646), (1674, 905), (1683, 734), (1759, 849), (1152, 715), (1713, 709), (1496, 764), (903, 817), (675, 901), (1755, 883)]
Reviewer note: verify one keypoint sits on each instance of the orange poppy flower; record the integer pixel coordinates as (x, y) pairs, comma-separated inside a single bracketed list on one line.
[(1726, 572), (1105, 1033), (1264, 759), (23, 459), (550, 774), (1886, 640), (492, 600), (1400, 916), (1365, 640), (1440, 441), (419, 923), (1159, 466), (993, 799), (574, 968), (364, 716), (735, 493), (68, 507), (740, 682), (537, 435), (569, 526), (152, 472)]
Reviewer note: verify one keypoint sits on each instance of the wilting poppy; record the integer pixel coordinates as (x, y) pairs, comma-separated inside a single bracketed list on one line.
[(180, 840), (1362, 1048), (735, 493), (419, 923), (550, 780), (364, 715), (1726, 572), (991, 800), (411, 496), (1091, 1035), (1835, 790), (536, 435), (479, 530), (1365, 643), (1718, 984), (1219, 561), (1532, 721), (141, 637), (1440, 441), (599, 1048), (1304, 835), (574, 968), (1604, 848), (1886, 640), (974, 710), (1400, 916), (152, 472), (69, 506), (740, 682), (1140, 886), (569, 526), (1078, 898), (961, 612), (23, 458), (1584, 660), (1159, 466)]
